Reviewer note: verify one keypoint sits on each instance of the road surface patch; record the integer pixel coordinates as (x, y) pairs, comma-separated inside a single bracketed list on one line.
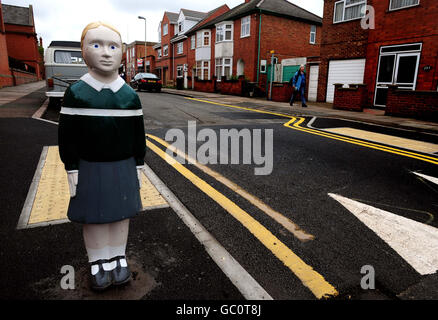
[(420, 146), (48, 197), (308, 276), (289, 225)]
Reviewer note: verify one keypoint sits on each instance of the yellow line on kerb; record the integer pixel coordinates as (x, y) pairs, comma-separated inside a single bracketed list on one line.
[(309, 277), (296, 126)]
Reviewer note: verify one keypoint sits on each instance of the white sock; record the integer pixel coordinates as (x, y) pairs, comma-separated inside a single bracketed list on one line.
[(117, 251)]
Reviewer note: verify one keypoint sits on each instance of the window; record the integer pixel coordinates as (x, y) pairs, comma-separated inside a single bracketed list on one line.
[(203, 69), (159, 32), (179, 48), (206, 36), (193, 42), (166, 50), (224, 67), (346, 10), (263, 66), (179, 71), (165, 29), (68, 57), (159, 53), (245, 27), (312, 34), (180, 27), (224, 32), (398, 4)]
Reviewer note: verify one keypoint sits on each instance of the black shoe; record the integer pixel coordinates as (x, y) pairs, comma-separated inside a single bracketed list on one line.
[(102, 279), (120, 275), (304, 105)]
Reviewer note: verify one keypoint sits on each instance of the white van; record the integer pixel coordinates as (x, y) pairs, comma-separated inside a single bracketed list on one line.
[(64, 65)]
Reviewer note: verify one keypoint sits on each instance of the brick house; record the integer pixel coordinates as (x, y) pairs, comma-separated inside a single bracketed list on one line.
[(135, 57), (163, 50), (400, 50), (241, 40), (20, 61)]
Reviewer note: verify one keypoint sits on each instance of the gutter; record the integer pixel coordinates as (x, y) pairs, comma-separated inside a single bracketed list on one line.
[(258, 49)]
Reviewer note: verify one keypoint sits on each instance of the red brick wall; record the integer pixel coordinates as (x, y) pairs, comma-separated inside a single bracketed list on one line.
[(164, 62), (22, 45), (352, 98), (413, 104), (345, 40), (294, 41), (23, 77), (246, 48), (389, 32), (281, 92), (181, 59), (205, 85)]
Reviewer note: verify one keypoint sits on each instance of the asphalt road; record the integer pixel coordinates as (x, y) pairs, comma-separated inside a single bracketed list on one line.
[(170, 263), (306, 168)]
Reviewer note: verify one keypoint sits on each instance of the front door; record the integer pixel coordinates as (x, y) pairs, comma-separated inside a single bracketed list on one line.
[(396, 67)]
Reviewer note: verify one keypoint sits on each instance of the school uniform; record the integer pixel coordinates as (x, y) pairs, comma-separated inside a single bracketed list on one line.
[(101, 134)]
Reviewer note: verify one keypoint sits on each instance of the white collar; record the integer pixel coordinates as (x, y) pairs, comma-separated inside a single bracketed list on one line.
[(115, 86)]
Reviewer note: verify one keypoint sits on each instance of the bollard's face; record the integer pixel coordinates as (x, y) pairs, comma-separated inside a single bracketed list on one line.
[(102, 50)]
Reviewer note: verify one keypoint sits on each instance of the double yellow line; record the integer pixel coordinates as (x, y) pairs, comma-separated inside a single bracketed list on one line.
[(295, 122), (308, 276)]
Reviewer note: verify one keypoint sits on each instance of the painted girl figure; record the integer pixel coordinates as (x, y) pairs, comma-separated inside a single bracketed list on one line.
[(102, 145)]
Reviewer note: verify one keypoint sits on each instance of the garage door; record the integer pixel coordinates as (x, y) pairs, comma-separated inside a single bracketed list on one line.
[(313, 82), (346, 72)]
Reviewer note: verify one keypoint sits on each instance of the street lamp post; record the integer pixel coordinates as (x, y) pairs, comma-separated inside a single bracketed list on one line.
[(145, 42)]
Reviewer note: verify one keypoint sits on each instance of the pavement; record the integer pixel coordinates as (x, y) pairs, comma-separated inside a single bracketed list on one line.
[(325, 110)]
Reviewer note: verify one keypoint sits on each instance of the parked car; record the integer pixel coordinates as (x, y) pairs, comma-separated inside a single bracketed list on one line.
[(146, 81), (64, 65)]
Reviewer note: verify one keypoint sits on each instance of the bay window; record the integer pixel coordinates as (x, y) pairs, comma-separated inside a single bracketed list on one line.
[(224, 32)]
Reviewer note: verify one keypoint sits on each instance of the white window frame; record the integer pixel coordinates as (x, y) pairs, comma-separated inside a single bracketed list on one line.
[(200, 70), (165, 50), (222, 66), (312, 33), (165, 29), (159, 53), (245, 22), (343, 11), (159, 32), (206, 34), (180, 27), (193, 42), (180, 68), (412, 5), (180, 48), (221, 30)]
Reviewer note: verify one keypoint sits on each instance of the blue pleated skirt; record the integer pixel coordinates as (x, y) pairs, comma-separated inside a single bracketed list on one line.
[(106, 192)]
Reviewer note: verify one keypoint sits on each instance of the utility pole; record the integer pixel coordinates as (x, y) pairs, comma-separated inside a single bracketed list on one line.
[(272, 74), (145, 42)]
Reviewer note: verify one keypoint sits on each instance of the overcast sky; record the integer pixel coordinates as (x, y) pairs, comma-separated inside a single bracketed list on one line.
[(65, 19)]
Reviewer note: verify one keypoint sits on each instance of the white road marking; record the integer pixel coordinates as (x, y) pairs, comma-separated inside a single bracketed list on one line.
[(243, 281), (431, 179), (415, 242)]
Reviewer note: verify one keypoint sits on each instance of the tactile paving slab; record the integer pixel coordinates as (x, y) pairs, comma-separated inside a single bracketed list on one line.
[(48, 198)]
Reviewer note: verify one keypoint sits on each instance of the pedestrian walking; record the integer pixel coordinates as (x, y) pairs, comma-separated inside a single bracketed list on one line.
[(102, 144), (298, 82)]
